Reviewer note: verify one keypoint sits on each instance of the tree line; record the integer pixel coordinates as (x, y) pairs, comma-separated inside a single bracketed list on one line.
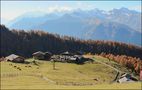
[(25, 43)]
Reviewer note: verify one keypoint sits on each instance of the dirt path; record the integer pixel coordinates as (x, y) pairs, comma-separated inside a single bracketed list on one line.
[(118, 71), (107, 65), (47, 79), (10, 75)]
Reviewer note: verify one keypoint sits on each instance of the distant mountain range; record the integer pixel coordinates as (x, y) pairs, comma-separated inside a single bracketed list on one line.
[(122, 24)]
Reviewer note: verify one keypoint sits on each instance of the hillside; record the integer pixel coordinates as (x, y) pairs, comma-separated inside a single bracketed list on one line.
[(77, 44), (89, 75), (20, 42)]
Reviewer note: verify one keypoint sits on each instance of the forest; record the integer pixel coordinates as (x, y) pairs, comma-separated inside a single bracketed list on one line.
[(25, 43)]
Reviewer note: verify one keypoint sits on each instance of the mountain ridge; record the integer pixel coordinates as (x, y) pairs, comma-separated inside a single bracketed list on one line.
[(79, 23)]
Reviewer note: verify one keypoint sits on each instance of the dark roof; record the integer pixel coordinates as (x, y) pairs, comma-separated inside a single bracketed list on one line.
[(48, 53), (126, 75), (12, 57)]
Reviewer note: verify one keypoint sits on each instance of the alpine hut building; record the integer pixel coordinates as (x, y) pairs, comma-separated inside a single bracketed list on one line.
[(38, 55), (42, 55), (15, 58)]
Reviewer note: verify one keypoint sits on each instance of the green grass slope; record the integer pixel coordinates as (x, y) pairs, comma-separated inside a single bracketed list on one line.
[(66, 75)]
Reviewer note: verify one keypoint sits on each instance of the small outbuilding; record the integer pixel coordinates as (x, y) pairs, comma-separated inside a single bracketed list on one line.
[(15, 58), (126, 78), (47, 55), (42, 55), (38, 55)]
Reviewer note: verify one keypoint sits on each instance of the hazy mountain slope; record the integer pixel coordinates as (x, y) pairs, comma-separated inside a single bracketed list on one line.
[(113, 31), (30, 20), (127, 17), (122, 15), (91, 24), (66, 25)]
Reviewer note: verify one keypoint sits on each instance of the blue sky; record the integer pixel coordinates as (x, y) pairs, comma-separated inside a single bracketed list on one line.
[(12, 9)]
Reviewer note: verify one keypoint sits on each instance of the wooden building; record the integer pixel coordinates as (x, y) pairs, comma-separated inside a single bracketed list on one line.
[(70, 58), (38, 55), (15, 58), (47, 55), (126, 78), (42, 55)]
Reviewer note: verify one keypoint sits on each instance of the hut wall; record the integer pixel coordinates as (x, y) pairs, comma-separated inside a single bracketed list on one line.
[(40, 57), (18, 60), (47, 56)]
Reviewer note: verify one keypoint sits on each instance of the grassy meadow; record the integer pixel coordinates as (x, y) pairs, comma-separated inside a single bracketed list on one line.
[(65, 76)]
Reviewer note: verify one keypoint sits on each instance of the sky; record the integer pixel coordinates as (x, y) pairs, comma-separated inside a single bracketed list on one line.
[(13, 9)]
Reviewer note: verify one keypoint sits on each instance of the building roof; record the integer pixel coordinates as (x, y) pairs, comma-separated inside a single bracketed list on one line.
[(126, 75), (48, 53), (125, 79), (39, 52), (12, 57), (66, 53)]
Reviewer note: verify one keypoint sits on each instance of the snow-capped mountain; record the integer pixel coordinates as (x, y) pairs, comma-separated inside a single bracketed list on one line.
[(86, 24)]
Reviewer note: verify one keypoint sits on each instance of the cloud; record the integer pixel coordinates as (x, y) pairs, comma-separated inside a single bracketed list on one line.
[(63, 8), (54, 8), (85, 5), (137, 8), (59, 8)]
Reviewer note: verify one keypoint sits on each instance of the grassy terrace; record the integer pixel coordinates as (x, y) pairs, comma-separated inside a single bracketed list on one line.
[(112, 63), (66, 75)]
